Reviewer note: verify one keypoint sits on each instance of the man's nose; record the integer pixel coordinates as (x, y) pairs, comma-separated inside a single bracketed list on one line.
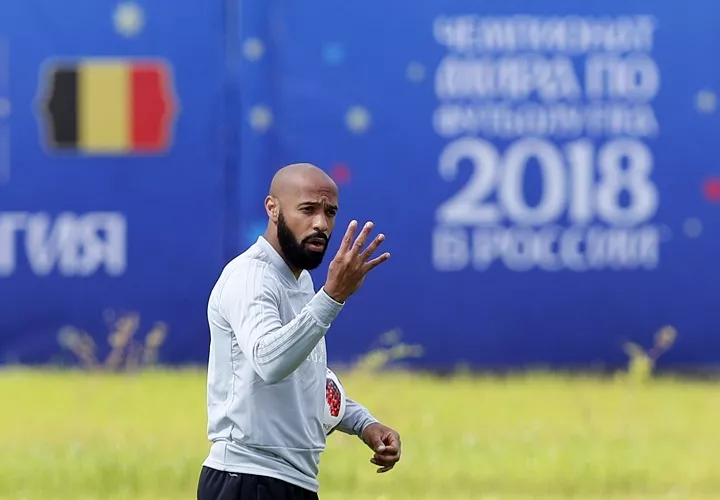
[(321, 224)]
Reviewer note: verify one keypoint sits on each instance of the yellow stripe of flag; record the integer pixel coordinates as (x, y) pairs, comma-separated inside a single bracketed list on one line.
[(104, 106)]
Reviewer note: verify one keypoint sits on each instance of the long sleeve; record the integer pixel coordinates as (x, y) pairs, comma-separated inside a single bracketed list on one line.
[(252, 308), (356, 418)]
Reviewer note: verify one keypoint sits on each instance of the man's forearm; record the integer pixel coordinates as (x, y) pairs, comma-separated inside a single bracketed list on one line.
[(279, 352), (356, 418)]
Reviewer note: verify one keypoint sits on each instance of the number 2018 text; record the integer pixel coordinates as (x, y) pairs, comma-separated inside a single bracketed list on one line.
[(570, 182)]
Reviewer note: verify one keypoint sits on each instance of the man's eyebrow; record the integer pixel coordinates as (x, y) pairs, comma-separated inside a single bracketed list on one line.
[(316, 203)]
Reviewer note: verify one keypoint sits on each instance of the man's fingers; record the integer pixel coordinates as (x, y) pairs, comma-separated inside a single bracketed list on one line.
[(389, 454), (386, 458), (362, 237), (389, 450), (394, 441), (369, 266), (384, 467), (347, 239), (373, 246)]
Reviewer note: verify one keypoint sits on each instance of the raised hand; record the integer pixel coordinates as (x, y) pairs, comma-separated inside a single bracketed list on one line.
[(350, 265)]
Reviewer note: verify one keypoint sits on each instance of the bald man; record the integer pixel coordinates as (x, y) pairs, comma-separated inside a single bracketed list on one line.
[(267, 364)]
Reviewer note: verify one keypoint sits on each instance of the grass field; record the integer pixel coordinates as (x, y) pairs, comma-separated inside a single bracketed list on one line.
[(142, 437)]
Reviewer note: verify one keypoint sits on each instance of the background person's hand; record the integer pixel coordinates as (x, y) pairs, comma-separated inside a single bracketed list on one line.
[(350, 265)]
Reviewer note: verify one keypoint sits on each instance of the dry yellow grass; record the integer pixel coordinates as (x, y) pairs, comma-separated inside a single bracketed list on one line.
[(72, 435)]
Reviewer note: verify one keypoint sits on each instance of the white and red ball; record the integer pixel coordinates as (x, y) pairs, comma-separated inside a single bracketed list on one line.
[(334, 402)]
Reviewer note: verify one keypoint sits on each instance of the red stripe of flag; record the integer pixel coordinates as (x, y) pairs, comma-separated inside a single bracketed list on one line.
[(151, 107)]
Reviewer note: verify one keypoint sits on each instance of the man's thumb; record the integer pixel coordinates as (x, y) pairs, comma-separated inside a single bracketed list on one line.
[(378, 444)]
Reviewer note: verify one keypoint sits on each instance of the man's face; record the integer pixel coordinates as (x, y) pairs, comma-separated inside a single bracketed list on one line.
[(304, 228)]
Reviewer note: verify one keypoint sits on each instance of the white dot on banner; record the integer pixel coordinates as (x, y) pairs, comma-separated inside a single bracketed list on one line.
[(693, 227), (415, 72), (705, 101), (260, 118), (253, 49), (357, 119), (333, 53), (129, 19)]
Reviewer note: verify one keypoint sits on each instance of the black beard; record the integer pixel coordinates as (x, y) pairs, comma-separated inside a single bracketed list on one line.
[(296, 252)]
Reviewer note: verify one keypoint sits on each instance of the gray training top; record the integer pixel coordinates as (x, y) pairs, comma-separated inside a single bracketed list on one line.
[(267, 370)]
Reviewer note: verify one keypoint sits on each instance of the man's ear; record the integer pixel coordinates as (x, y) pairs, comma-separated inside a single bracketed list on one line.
[(272, 208)]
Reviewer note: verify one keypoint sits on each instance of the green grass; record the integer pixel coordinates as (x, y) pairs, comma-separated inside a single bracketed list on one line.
[(142, 437)]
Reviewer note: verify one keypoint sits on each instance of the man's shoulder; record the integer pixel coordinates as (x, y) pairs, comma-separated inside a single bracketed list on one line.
[(251, 265), (252, 260), (247, 273)]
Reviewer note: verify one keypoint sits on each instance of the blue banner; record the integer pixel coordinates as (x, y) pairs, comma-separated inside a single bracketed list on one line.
[(544, 174), (113, 205)]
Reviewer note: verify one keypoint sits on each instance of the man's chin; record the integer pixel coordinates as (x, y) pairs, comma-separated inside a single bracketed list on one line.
[(313, 258)]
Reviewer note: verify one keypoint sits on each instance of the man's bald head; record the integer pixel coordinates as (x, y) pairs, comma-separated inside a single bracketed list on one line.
[(299, 175), (301, 208)]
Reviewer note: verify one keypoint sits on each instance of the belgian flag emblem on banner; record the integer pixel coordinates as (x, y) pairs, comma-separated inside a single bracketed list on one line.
[(108, 106)]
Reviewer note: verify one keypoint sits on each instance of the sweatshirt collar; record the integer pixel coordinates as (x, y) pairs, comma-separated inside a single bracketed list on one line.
[(277, 260)]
